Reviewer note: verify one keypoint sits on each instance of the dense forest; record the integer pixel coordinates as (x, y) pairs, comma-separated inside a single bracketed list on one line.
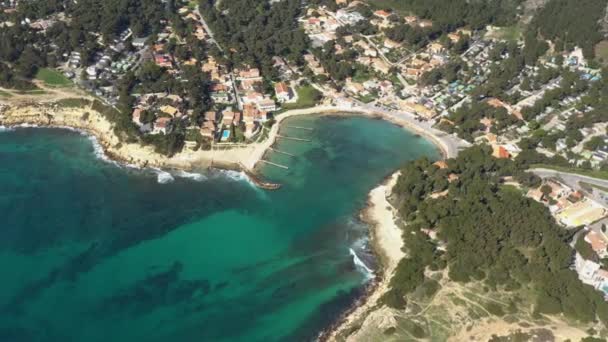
[(449, 15), (491, 233), (571, 23), (253, 31)]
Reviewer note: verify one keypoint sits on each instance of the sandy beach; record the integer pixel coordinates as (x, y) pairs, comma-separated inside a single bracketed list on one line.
[(387, 242), (21, 109), (386, 236)]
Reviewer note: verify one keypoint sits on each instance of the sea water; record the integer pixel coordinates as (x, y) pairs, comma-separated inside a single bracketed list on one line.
[(91, 251)]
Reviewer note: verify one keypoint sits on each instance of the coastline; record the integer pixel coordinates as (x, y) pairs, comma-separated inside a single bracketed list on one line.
[(240, 157), (385, 235), (387, 243)]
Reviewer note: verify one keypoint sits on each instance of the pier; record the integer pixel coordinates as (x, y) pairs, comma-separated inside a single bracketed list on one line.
[(292, 138), (281, 152), (258, 181), (274, 164), (299, 127)]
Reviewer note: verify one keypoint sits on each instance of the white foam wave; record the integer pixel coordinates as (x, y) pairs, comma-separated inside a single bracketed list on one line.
[(234, 175), (163, 177), (26, 125), (367, 272), (6, 129), (191, 175), (238, 176), (98, 149)]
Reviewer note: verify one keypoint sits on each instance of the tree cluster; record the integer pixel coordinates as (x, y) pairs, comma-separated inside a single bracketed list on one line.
[(490, 233)]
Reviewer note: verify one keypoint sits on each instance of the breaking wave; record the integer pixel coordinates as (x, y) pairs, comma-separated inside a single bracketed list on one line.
[(191, 175), (360, 265), (163, 177)]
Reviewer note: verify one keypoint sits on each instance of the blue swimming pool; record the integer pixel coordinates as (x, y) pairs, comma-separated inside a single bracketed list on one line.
[(225, 134)]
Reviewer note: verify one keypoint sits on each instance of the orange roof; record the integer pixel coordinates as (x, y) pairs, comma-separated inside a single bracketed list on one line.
[(441, 164), (382, 13), (501, 152), (452, 177), (496, 103), (281, 87), (597, 243)]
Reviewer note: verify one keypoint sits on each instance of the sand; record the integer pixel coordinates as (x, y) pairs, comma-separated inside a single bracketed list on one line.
[(387, 241)]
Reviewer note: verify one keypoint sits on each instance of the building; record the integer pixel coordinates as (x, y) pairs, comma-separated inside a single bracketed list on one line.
[(598, 243), (382, 14), (500, 152), (581, 213), (253, 73), (283, 92), (136, 116), (228, 116), (162, 125), (170, 110), (266, 105)]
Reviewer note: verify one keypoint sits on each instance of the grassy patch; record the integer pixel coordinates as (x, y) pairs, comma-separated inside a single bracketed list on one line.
[(73, 103), (367, 98), (361, 76), (5, 94), (601, 52), (32, 92), (509, 33), (589, 173), (308, 96), (52, 78)]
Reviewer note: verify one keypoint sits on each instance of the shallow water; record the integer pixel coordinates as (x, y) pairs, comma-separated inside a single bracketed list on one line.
[(94, 252)]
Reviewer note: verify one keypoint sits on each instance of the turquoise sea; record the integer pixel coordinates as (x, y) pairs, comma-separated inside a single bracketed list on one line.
[(91, 251)]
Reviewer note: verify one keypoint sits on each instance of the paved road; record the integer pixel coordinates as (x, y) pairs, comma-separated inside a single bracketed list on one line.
[(573, 180), (209, 32)]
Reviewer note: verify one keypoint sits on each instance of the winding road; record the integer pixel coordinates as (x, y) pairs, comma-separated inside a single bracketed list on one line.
[(573, 180)]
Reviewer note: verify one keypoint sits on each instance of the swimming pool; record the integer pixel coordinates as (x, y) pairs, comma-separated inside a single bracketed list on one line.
[(225, 135)]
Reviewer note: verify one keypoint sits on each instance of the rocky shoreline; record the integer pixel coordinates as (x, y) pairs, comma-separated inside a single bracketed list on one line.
[(136, 155), (376, 215)]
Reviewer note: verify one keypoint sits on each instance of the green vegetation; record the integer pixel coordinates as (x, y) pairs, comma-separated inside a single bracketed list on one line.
[(308, 96), (5, 94), (52, 78), (601, 174), (585, 249), (571, 23), (73, 103), (24, 52), (467, 119), (601, 52), (449, 15), (498, 237), (253, 36), (511, 33)]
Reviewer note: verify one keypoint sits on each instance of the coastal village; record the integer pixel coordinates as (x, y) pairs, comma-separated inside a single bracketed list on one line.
[(547, 104), (466, 84)]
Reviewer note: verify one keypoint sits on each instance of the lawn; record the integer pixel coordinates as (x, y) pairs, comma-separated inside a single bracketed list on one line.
[(73, 103), (601, 52), (510, 33), (308, 96), (53, 78)]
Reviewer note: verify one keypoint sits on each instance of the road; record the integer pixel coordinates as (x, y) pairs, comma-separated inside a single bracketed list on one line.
[(207, 29), (573, 180)]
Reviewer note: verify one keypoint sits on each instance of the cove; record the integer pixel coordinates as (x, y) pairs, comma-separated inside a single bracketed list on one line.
[(95, 252)]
